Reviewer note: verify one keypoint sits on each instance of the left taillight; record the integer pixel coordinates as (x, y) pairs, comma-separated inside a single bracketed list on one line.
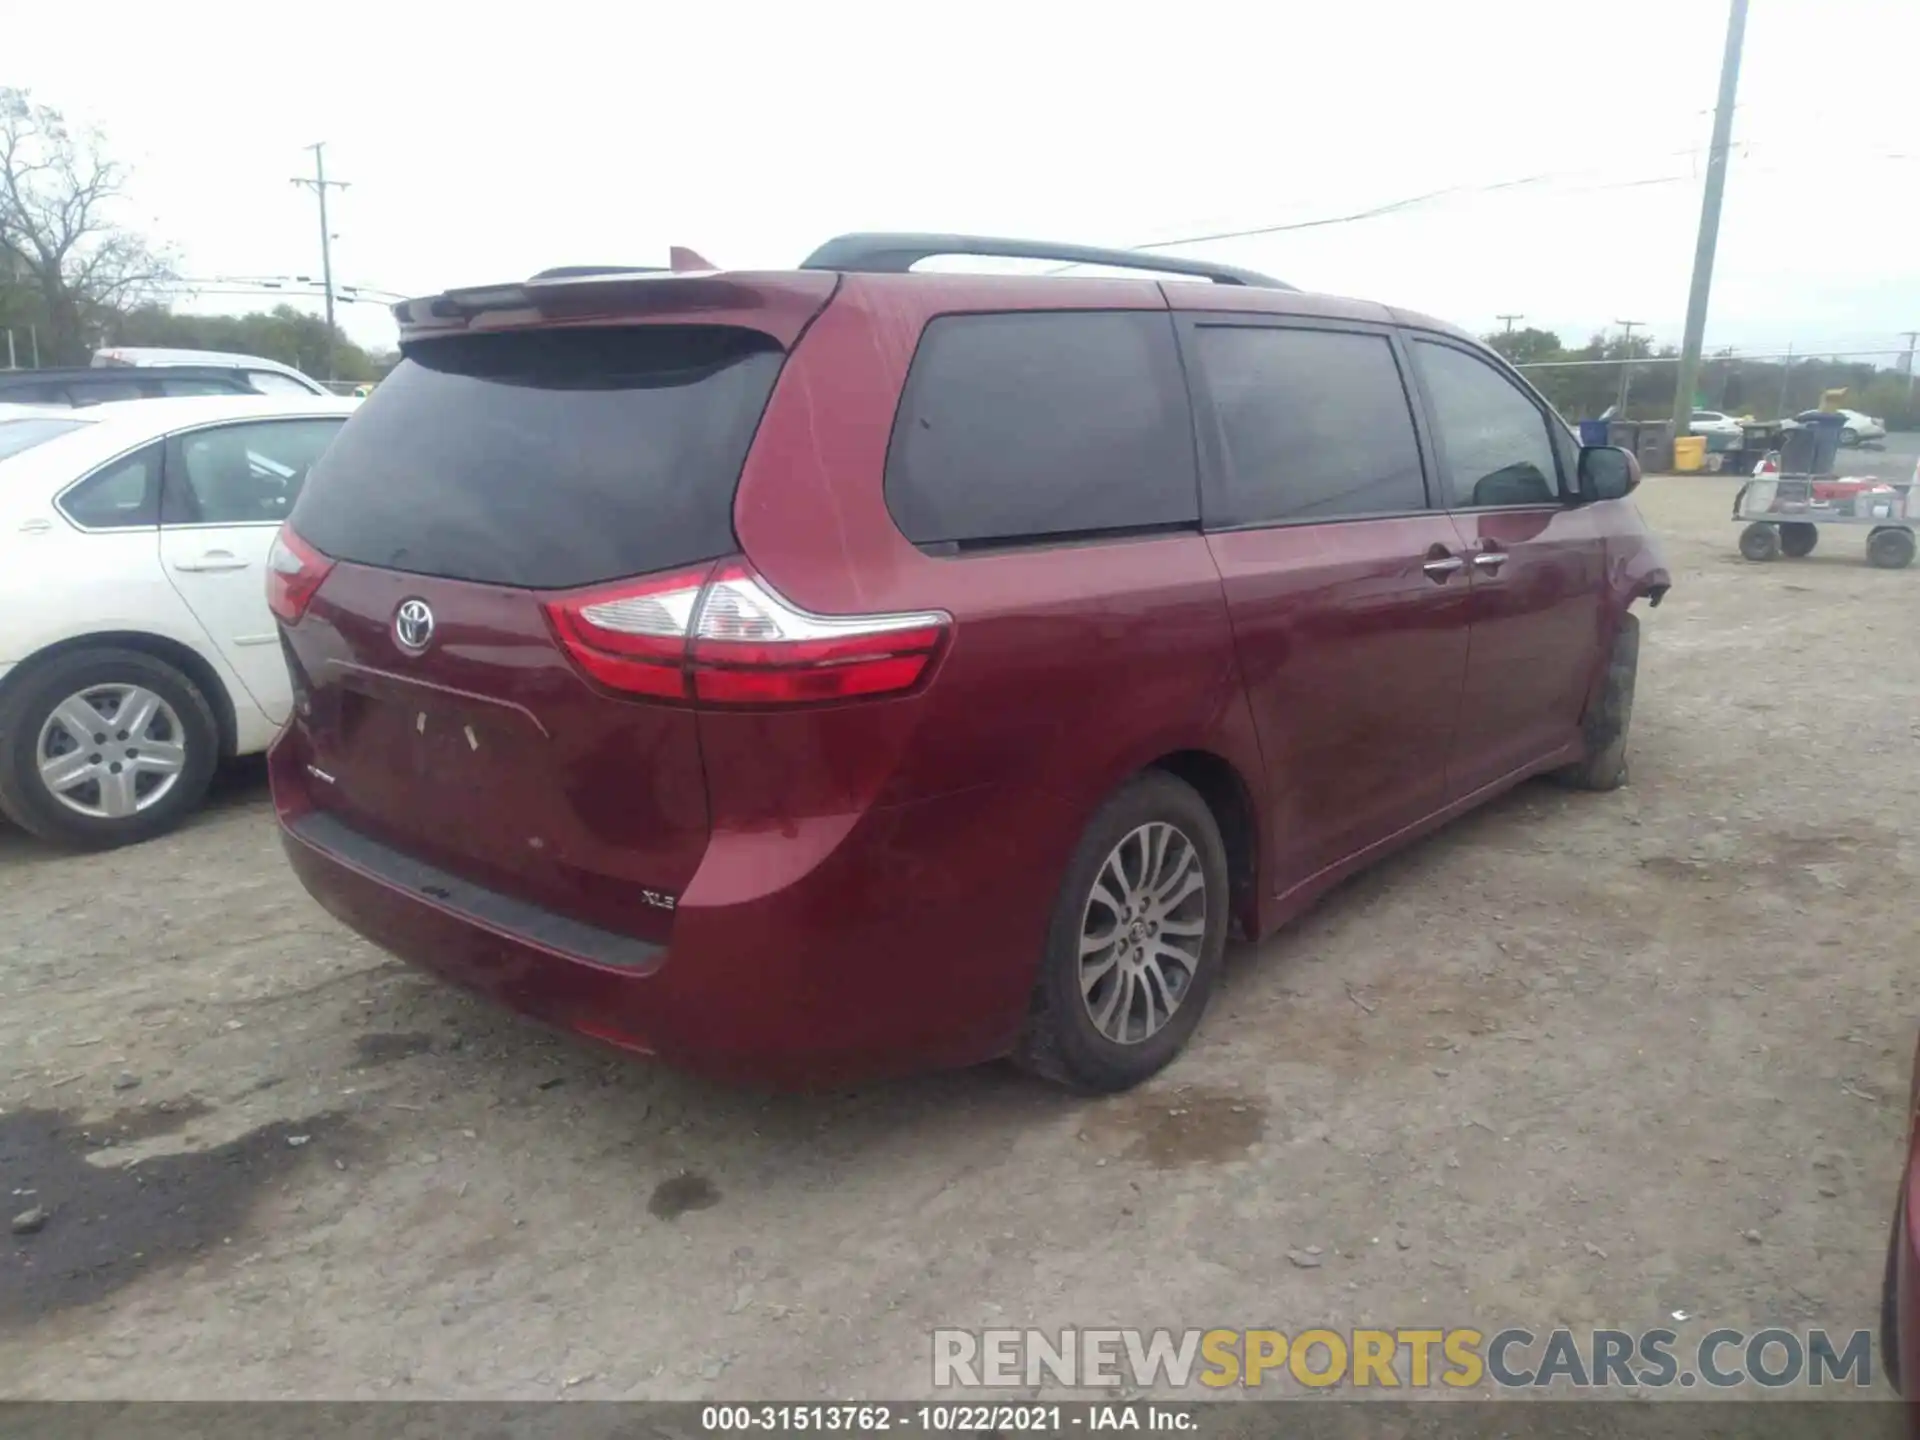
[(721, 635), (295, 571)]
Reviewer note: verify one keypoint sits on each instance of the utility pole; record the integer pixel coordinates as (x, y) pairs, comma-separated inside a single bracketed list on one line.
[(1509, 319), (318, 184), (1907, 365), (1627, 327), (1709, 218), (1786, 375)]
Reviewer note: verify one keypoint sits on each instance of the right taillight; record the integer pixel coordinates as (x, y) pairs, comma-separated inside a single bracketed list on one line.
[(722, 636), (294, 572)]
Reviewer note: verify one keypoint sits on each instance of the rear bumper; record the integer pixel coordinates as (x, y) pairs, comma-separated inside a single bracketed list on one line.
[(894, 941)]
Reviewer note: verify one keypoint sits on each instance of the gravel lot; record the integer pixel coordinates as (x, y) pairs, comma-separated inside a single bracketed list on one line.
[(1578, 1059)]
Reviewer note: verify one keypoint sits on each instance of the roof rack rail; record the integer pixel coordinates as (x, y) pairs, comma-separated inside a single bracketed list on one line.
[(896, 254)]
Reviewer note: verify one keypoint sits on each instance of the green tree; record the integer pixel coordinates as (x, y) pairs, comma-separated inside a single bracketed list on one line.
[(1526, 345), (66, 266), (283, 333)]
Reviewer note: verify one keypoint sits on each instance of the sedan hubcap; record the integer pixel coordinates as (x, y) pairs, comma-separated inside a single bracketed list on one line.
[(111, 751), (1141, 933)]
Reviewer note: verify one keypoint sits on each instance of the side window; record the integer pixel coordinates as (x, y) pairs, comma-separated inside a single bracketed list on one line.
[(120, 496), (1313, 425), (267, 382), (242, 474), (43, 393), (1025, 426), (104, 392), (1494, 446)]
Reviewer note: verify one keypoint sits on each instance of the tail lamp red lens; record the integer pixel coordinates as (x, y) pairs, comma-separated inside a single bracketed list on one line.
[(721, 635), (295, 571)]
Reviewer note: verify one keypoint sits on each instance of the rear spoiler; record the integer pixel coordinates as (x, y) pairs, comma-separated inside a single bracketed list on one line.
[(779, 303)]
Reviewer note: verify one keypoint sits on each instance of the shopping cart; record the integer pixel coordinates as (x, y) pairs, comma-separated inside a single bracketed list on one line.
[(1784, 512)]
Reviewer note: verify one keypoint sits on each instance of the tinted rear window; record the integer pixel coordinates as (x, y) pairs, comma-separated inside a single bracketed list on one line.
[(1314, 425), (546, 458), (1023, 426)]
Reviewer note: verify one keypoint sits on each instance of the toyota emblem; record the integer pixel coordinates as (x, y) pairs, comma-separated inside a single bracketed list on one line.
[(413, 626)]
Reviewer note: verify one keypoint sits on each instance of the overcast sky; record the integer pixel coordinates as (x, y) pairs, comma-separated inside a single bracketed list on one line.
[(484, 142)]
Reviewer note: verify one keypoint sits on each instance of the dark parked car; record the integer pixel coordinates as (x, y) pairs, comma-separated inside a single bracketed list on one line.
[(95, 385), (838, 671)]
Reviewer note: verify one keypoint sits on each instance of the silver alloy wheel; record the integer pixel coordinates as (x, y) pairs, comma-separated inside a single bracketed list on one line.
[(1142, 932), (111, 751)]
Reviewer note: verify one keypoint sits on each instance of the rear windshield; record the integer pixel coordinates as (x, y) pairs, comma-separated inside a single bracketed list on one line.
[(18, 435), (546, 458)]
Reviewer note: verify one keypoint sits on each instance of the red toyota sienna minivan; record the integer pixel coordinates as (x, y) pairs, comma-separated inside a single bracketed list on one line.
[(812, 674)]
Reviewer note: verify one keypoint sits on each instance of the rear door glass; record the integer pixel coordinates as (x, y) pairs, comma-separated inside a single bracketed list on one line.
[(1028, 426), (1311, 425), (546, 458)]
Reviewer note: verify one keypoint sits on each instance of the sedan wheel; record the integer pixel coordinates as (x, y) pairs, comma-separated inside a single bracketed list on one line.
[(112, 751), (103, 747)]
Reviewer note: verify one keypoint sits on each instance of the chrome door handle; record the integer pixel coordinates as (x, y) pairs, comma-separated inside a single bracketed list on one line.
[(1444, 568), (212, 560), (1490, 561)]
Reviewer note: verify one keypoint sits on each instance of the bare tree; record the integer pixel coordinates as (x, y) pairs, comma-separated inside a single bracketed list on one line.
[(64, 261)]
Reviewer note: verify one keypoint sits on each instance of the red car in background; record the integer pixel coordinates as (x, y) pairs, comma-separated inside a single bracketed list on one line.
[(839, 671)]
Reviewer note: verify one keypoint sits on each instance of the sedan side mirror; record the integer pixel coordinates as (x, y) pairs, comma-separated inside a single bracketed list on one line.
[(1607, 472)]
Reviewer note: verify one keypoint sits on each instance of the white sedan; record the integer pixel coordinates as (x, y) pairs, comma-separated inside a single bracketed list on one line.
[(136, 647), (1856, 427), (1713, 423)]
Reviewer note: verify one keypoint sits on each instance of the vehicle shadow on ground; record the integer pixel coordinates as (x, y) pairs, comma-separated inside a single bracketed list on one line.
[(421, 1040), (236, 785)]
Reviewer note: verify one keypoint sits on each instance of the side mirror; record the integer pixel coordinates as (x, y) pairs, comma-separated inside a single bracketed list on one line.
[(1607, 472)]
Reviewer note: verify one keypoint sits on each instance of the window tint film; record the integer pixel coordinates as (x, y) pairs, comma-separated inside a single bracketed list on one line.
[(1023, 426), (1493, 439), (242, 474), (546, 458), (124, 494), (1313, 424), (19, 435)]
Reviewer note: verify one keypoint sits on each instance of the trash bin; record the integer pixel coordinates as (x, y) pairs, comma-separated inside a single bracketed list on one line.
[(1819, 443), (1594, 432), (1653, 446), (1690, 453)]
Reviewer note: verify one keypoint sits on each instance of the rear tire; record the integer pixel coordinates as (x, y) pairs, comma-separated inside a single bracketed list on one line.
[(1760, 542), (1798, 539), (1608, 717), (130, 796), (1105, 1016), (1890, 549)]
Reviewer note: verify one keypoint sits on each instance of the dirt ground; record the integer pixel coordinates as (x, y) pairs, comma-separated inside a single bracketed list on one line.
[(1577, 1059)]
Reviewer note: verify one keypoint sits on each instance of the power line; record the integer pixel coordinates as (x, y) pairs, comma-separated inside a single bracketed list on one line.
[(319, 185)]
